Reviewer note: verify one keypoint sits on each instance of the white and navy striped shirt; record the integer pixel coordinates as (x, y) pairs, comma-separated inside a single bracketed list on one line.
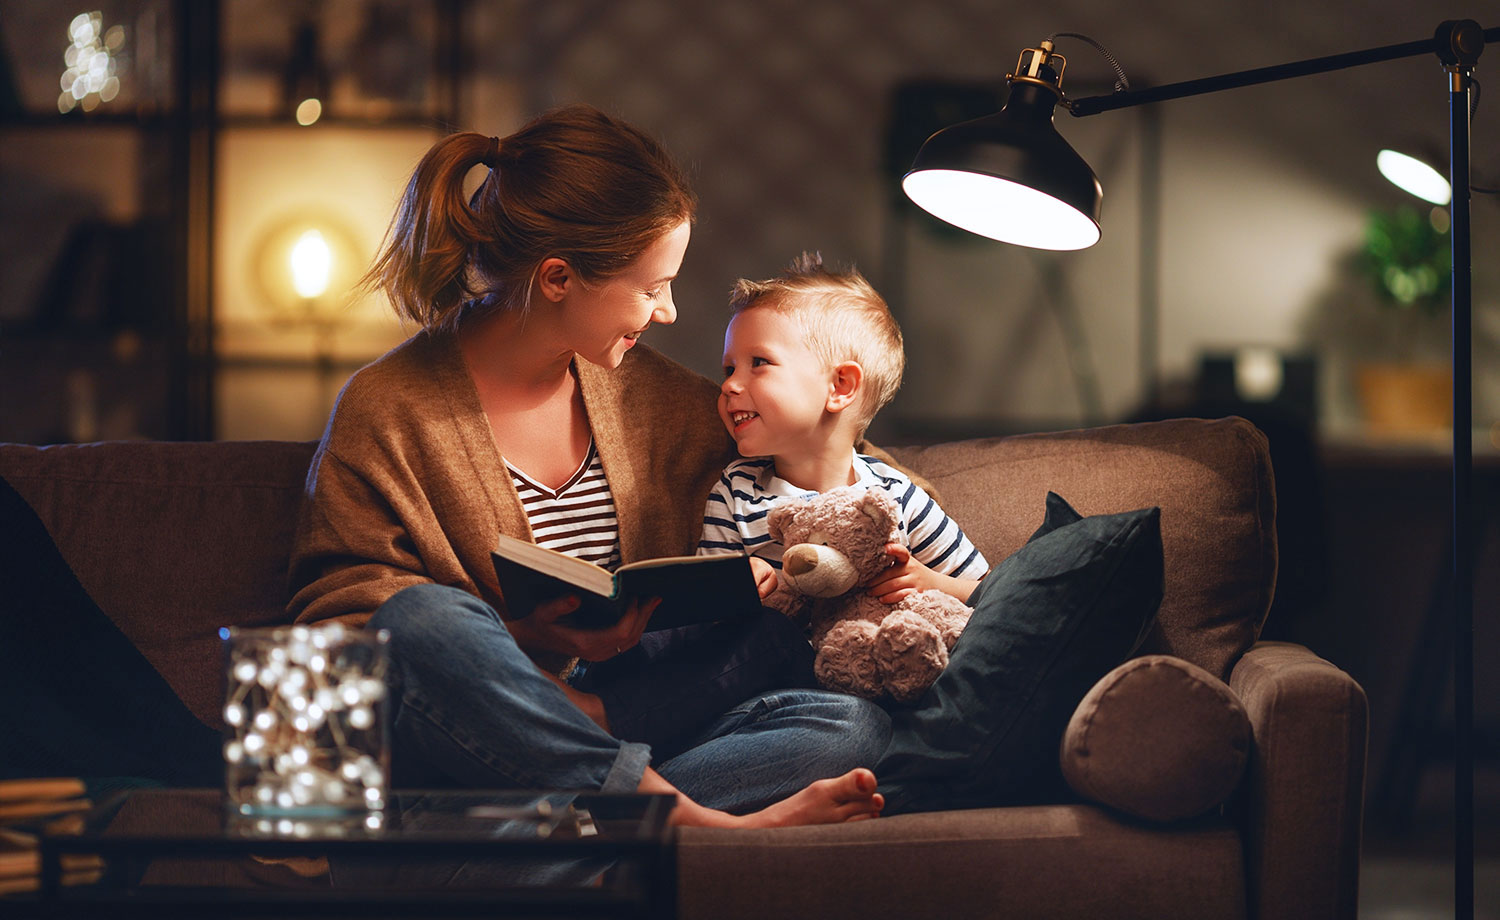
[(578, 517), (735, 517)]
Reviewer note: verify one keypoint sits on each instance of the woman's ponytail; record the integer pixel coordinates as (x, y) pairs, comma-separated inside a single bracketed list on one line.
[(423, 262)]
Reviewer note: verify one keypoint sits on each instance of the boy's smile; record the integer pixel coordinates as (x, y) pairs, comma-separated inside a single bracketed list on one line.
[(774, 397)]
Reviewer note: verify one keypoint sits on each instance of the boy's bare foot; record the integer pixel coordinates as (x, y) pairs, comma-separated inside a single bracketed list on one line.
[(851, 797)]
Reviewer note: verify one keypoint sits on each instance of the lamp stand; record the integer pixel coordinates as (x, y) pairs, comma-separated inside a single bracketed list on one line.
[(1461, 80)]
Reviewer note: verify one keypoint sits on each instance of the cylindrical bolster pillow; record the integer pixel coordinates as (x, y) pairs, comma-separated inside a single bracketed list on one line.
[(1158, 738)]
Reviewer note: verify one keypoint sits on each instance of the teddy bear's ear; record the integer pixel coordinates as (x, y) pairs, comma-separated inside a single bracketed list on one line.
[(781, 515), (879, 507)]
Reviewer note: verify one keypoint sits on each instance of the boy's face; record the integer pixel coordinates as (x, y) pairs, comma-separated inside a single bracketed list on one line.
[(775, 391)]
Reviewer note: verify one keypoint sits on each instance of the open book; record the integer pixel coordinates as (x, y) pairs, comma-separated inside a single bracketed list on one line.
[(693, 589)]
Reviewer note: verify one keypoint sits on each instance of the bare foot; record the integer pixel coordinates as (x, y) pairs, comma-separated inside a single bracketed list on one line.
[(851, 797), (828, 801)]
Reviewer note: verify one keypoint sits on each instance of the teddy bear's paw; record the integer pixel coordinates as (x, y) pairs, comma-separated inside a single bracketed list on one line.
[(789, 602), (946, 613), (911, 653), (846, 659)]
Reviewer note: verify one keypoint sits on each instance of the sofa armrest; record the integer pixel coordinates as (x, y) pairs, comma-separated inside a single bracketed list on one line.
[(1305, 785)]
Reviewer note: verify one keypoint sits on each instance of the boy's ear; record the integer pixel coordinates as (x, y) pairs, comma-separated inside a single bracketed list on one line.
[(553, 278), (843, 386)]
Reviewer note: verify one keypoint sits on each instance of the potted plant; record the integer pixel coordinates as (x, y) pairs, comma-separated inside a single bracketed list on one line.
[(1407, 257)]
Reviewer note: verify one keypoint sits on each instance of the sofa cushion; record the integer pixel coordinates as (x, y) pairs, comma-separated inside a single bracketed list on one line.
[(1048, 622), (1158, 738), (126, 515), (79, 699), (1032, 862), (1211, 478)]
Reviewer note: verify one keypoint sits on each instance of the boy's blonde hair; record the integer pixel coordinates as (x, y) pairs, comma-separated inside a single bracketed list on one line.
[(843, 318)]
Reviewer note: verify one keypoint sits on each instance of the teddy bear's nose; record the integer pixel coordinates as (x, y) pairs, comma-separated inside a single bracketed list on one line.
[(799, 560)]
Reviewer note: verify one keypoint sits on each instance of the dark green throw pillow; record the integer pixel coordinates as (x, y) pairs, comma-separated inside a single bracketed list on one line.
[(1049, 621)]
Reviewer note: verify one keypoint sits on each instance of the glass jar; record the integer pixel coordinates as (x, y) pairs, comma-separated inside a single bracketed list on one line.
[(306, 728)]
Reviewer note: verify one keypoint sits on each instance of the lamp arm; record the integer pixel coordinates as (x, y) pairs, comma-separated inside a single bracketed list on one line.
[(1438, 44)]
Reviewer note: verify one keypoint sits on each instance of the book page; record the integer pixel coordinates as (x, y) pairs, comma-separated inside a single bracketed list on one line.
[(669, 560), (574, 571)]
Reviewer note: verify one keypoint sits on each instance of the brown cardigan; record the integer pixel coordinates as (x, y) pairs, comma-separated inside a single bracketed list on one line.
[(407, 485)]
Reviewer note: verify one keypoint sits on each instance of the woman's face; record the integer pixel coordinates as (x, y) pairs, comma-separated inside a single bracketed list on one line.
[(607, 319)]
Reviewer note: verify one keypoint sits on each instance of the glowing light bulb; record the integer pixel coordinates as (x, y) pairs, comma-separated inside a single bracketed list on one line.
[(1415, 176), (309, 111), (312, 262)]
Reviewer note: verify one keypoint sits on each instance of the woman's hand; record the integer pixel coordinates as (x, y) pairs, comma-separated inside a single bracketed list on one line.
[(907, 575), (765, 576), (541, 630)]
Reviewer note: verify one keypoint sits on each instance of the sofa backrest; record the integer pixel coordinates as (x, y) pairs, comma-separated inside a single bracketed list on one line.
[(1211, 478), (172, 540)]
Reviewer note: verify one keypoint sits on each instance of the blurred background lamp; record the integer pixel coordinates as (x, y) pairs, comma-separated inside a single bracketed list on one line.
[(305, 266), (311, 262), (1415, 176), (1258, 374), (309, 111)]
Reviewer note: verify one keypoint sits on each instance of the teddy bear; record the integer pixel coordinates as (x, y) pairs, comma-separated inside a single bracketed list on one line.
[(834, 546)]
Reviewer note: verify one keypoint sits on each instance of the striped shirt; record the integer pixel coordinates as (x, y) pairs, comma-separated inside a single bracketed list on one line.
[(578, 517), (735, 517)]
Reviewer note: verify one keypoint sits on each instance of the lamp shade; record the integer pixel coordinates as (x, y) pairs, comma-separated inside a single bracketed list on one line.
[(1010, 177)]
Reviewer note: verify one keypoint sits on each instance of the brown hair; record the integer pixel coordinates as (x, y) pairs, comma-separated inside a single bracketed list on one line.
[(843, 318), (574, 183)]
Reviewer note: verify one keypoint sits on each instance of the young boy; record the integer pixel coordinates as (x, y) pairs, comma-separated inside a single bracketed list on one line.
[(809, 357)]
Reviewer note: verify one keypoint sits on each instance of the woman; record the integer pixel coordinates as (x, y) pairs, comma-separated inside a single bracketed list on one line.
[(526, 375)]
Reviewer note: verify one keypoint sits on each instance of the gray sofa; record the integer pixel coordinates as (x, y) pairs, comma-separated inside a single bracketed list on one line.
[(1216, 776)]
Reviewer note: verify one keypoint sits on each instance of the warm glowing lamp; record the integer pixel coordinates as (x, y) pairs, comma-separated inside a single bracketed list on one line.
[(311, 261), (305, 265), (1019, 147)]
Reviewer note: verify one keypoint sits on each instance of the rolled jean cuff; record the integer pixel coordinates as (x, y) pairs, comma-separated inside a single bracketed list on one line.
[(629, 766)]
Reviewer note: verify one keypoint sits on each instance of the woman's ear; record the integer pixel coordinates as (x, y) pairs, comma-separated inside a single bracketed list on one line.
[(843, 386), (553, 278)]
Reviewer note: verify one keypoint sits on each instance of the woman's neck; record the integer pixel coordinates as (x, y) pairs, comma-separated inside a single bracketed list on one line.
[(505, 351)]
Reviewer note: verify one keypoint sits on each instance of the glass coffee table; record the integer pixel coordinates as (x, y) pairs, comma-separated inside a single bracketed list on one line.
[(182, 852)]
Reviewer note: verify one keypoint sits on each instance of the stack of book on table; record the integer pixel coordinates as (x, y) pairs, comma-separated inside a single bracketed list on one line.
[(29, 807)]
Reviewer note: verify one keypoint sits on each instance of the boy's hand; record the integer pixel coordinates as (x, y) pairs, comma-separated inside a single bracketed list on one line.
[(765, 576), (907, 576)]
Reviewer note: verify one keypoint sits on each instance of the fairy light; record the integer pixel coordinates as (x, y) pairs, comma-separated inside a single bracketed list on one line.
[(90, 61), (304, 715)]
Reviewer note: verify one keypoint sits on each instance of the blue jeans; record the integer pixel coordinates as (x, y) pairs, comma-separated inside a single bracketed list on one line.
[(471, 709)]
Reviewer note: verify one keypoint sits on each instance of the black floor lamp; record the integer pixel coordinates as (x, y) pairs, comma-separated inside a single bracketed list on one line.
[(1011, 177)]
